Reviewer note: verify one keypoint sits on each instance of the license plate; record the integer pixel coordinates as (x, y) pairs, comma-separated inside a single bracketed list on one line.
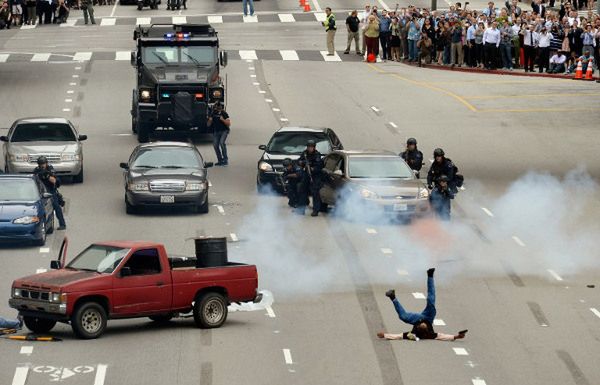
[(400, 207), (167, 199)]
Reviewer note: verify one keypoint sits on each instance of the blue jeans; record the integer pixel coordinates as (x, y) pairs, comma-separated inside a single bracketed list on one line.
[(245, 4), (506, 51), (412, 50), (9, 324), (219, 138), (428, 313)]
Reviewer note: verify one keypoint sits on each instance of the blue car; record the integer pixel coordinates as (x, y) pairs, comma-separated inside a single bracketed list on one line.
[(26, 212)]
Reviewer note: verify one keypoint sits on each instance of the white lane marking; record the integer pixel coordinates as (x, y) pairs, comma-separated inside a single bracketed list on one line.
[(488, 212), (66, 109), (82, 56), (250, 19), (78, 68), (28, 26), (556, 276), (284, 119), (69, 23), (248, 61), (234, 237), (20, 377), (478, 381), (582, 300), (262, 92), (40, 270), (460, 351), (143, 20), (40, 57), (72, 84), (3, 57), (100, 374), (327, 58), (287, 355), (70, 92), (595, 311), (384, 5), (518, 241), (269, 100), (209, 183), (270, 312), (276, 109), (286, 18), (112, 13), (371, 231), (252, 75), (108, 21), (439, 322), (251, 68), (221, 209), (248, 54), (75, 76), (215, 19), (26, 350), (386, 251), (375, 109), (418, 295), (121, 134), (288, 54), (44, 249), (402, 272), (122, 55), (255, 83), (179, 20), (393, 124)]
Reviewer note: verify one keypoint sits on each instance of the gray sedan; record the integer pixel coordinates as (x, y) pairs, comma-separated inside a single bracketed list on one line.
[(166, 174), (55, 138)]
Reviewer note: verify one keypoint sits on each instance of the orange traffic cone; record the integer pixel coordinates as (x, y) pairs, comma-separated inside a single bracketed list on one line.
[(302, 3), (579, 71), (588, 72), (306, 6)]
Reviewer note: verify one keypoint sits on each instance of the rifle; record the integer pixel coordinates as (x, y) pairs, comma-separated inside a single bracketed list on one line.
[(307, 166), (280, 179)]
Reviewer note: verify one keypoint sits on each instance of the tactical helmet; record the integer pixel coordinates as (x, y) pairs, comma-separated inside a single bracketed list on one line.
[(310, 143), (438, 152), (287, 162), (42, 160), (443, 178), (411, 141)]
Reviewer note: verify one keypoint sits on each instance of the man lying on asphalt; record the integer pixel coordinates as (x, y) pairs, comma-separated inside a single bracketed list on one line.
[(422, 322)]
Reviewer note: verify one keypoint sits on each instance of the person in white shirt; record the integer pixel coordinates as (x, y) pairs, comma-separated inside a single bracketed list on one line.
[(557, 63), (529, 44), (491, 42), (544, 38), (364, 16)]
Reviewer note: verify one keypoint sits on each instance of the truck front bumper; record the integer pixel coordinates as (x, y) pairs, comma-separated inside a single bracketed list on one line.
[(161, 115), (40, 309)]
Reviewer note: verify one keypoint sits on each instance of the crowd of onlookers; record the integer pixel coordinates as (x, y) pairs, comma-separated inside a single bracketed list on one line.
[(552, 37), (30, 12)]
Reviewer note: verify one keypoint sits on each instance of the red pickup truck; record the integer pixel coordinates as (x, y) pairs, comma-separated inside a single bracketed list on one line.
[(126, 279)]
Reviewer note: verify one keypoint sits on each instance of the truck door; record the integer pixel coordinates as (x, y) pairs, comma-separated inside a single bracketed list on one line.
[(142, 284)]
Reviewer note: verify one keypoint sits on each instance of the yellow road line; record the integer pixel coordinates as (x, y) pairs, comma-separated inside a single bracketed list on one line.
[(491, 81), (531, 96), (537, 109), (425, 85)]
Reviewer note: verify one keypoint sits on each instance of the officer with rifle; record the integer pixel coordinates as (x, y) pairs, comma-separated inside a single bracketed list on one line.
[(47, 176), (313, 164)]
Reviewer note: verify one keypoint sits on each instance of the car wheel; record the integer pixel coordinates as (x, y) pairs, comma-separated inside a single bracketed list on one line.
[(89, 320), (39, 325), (129, 208), (203, 208), (50, 227), (210, 310), (42, 240), (162, 318), (79, 177)]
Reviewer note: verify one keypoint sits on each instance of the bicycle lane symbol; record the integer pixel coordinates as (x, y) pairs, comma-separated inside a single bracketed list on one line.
[(60, 373)]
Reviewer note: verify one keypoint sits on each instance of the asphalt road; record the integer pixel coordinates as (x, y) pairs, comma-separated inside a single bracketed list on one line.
[(512, 266)]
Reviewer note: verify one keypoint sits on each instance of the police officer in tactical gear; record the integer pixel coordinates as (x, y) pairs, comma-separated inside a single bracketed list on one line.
[(292, 175), (313, 167), (440, 198), (442, 166), (221, 123), (412, 156), (46, 175)]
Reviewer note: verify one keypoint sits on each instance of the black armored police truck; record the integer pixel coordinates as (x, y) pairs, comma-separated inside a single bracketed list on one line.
[(178, 79)]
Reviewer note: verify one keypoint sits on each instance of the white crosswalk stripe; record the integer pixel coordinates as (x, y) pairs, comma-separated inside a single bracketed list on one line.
[(30, 26), (289, 54), (248, 55), (69, 23), (3, 57), (251, 19), (40, 57), (179, 20), (122, 55), (143, 20), (82, 56), (215, 19), (335, 57), (286, 18), (108, 21)]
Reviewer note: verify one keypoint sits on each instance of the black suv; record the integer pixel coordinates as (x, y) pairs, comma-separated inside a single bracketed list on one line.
[(290, 142)]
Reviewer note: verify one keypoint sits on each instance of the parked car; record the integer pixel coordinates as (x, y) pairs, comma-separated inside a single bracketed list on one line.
[(55, 138), (290, 142), (379, 180), (26, 212), (166, 174), (127, 279)]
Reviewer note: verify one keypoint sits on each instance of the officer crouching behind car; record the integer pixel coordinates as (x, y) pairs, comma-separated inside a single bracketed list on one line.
[(440, 198), (292, 174), (46, 175), (313, 167), (220, 122)]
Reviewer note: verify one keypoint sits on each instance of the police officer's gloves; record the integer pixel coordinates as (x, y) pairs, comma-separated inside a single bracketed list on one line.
[(391, 294), (430, 272)]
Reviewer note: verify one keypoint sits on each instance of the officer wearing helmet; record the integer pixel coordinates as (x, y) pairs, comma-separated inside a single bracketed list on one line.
[(312, 181), (442, 166), (440, 198), (220, 122), (412, 156), (45, 173)]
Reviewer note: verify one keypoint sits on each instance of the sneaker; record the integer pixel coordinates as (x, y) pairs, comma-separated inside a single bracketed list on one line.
[(63, 227), (391, 294), (219, 164), (314, 214)]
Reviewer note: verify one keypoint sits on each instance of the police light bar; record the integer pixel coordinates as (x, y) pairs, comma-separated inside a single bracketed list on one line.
[(178, 36)]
